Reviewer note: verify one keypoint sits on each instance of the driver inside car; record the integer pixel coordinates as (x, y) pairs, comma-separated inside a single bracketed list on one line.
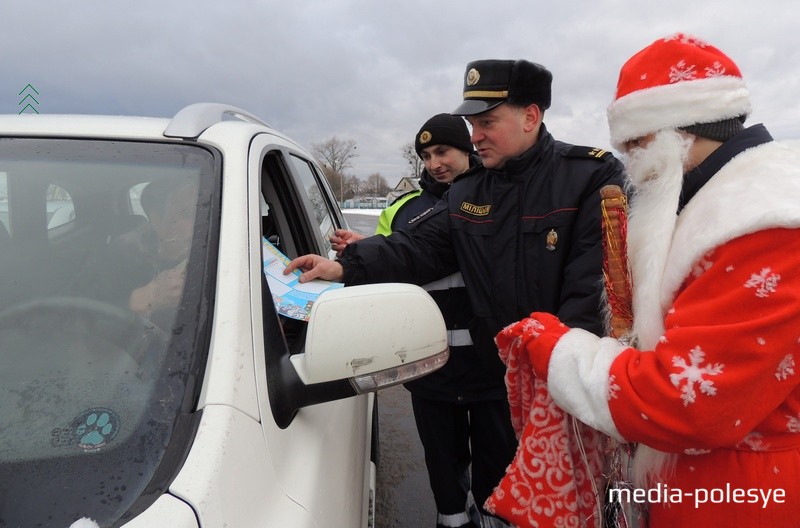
[(144, 269), (170, 213)]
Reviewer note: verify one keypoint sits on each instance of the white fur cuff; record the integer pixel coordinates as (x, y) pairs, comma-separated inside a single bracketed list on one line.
[(578, 378)]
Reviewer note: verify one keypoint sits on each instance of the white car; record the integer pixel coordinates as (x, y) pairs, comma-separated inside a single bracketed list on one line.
[(146, 377)]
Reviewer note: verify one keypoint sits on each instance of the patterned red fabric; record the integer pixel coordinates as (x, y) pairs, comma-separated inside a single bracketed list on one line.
[(671, 60), (551, 482)]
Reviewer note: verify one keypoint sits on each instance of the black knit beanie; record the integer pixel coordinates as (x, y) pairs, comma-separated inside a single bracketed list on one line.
[(443, 129), (718, 130)]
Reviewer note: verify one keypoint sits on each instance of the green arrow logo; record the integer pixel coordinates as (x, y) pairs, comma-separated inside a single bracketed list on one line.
[(32, 97), (29, 86)]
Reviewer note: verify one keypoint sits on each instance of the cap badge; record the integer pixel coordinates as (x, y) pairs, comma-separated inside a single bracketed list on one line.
[(552, 240), (425, 137), (473, 77)]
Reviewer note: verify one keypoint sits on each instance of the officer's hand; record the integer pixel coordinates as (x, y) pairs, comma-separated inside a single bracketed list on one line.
[(316, 267), (342, 238)]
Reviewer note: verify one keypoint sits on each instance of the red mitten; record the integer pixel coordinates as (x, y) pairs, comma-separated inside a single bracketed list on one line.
[(548, 330), (537, 335), (513, 344)]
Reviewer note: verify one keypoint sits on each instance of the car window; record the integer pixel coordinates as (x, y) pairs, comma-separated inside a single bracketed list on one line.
[(292, 222), (320, 204), (296, 217), (100, 320)]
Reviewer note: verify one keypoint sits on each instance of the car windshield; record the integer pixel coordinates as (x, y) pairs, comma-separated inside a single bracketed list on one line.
[(106, 276)]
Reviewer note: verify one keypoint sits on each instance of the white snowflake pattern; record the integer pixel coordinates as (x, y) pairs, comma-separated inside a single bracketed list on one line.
[(533, 326), (702, 265), (715, 70), (694, 374), (785, 368), (687, 39), (765, 282), (755, 441), (613, 388), (793, 423), (682, 72), (695, 452)]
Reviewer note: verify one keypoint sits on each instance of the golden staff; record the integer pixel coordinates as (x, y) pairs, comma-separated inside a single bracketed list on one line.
[(617, 280), (616, 276)]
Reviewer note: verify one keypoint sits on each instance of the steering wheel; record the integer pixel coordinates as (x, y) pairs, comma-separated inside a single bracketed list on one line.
[(122, 327)]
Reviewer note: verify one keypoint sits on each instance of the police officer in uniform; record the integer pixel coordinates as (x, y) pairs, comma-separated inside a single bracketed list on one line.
[(523, 228), (449, 404)]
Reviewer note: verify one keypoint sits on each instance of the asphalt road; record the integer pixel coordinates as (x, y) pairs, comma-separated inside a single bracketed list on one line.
[(404, 497)]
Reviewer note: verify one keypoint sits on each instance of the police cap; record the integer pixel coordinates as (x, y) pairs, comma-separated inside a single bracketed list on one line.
[(489, 83)]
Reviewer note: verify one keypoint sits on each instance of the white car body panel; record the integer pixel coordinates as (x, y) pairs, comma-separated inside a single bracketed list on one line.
[(230, 375)]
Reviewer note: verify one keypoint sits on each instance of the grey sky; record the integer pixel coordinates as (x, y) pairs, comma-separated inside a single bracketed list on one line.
[(371, 71)]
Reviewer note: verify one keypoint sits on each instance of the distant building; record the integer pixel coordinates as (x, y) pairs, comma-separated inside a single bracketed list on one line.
[(406, 184)]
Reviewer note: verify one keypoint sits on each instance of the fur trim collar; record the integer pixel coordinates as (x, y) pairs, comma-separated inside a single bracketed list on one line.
[(758, 189)]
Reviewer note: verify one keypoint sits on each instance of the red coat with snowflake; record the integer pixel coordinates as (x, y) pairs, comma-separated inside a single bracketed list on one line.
[(721, 387)]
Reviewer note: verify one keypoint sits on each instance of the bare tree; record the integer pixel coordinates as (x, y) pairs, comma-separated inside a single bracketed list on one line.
[(414, 161), (353, 186), (377, 185), (335, 155)]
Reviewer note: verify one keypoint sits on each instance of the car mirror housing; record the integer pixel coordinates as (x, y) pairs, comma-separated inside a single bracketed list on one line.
[(374, 335)]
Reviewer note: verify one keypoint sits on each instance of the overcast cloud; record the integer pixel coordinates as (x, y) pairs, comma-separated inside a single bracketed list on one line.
[(370, 70)]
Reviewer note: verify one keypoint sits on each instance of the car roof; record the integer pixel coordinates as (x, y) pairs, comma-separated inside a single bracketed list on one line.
[(230, 124), (122, 127), (189, 123)]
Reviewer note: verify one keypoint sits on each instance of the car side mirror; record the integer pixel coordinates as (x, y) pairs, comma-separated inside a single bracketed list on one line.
[(375, 336)]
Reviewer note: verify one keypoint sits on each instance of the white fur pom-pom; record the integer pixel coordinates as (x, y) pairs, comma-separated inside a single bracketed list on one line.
[(84, 523)]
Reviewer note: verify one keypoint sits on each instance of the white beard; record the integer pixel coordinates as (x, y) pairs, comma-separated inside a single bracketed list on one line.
[(655, 177)]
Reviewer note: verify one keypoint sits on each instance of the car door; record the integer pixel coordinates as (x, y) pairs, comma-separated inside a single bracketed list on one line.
[(321, 453)]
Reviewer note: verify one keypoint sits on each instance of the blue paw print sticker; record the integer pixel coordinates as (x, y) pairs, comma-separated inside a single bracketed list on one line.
[(95, 428)]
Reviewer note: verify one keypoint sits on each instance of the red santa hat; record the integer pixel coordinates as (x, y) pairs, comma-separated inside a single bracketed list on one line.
[(675, 82)]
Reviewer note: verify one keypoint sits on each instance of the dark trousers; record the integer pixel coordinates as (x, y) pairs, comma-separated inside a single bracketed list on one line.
[(454, 435)]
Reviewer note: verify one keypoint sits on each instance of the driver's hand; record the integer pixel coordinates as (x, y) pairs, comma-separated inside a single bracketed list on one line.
[(316, 267), (164, 291)]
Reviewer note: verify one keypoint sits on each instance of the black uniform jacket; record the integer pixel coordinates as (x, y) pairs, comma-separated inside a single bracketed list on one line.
[(462, 379), (526, 238)]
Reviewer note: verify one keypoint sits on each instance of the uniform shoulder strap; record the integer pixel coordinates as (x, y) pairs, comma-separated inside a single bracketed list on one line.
[(577, 151)]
